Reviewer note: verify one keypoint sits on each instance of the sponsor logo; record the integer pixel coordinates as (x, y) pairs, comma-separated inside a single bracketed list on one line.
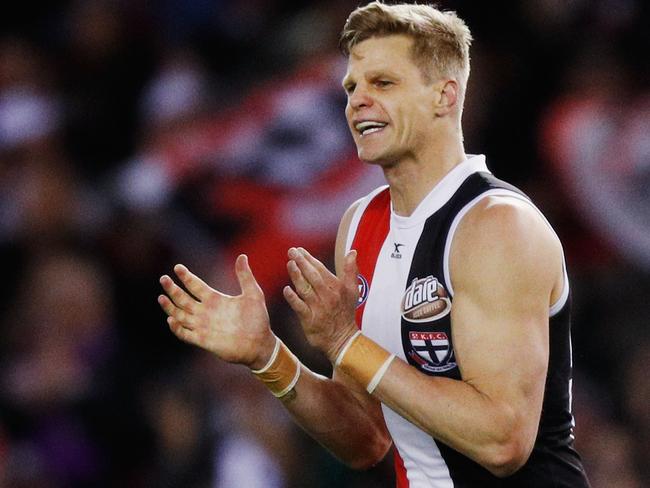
[(396, 254), (425, 300), (363, 290), (431, 351)]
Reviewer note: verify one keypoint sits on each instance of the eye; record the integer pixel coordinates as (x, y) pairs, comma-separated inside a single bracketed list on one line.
[(383, 83), (349, 88)]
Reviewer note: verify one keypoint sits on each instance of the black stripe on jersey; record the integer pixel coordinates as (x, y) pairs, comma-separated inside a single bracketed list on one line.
[(426, 342), (428, 346)]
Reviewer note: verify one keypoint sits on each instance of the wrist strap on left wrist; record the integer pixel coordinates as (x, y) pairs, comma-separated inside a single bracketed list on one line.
[(364, 360)]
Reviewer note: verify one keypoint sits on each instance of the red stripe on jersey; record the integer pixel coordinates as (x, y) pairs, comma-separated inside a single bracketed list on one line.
[(400, 471), (369, 238)]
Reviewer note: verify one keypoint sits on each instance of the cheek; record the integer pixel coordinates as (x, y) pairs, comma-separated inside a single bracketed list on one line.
[(416, 119), (348, 117)]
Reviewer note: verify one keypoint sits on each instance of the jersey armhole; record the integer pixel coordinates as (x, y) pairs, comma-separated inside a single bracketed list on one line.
[(561, 301), (358, 213)]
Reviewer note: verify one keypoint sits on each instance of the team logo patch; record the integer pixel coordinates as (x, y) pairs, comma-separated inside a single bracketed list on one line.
[(363, 290), (425, 300), (431, 351)]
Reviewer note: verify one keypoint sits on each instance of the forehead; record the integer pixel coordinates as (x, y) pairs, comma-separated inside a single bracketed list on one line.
[(393, 53)]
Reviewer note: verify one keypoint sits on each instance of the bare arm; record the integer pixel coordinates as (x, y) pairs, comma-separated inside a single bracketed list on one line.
[(336, 412), (506, 269)]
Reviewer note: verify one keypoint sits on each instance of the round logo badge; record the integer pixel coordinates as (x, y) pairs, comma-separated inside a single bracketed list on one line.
[(363, 290)]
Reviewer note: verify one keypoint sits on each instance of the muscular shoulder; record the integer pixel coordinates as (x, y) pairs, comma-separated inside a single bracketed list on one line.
[(506, 239), (342, 234)]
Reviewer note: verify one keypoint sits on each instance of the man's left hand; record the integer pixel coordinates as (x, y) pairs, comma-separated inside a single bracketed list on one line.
[(324, 303)]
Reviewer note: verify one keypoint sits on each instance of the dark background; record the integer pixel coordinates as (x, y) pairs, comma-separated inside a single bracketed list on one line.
[(137, 134)]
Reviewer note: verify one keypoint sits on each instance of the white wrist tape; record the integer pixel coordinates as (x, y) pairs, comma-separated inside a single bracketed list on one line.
[(339, 358), (281, 372), (271, 360), (379, 374), (364, 360)]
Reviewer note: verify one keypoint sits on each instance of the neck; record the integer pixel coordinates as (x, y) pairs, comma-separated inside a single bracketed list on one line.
[(411, 179)]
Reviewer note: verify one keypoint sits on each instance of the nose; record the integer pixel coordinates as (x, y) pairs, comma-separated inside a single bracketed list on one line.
[(360, 98)]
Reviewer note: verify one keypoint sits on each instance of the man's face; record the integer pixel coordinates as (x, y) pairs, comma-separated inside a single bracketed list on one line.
[(390, 106)]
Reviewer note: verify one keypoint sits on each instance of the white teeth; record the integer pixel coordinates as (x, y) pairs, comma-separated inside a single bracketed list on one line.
[(369, 126)]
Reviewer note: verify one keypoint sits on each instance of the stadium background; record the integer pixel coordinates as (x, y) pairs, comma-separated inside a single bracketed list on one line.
[(137, 134)]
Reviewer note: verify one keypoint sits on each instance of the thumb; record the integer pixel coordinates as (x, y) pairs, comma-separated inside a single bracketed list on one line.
[(247, 281)]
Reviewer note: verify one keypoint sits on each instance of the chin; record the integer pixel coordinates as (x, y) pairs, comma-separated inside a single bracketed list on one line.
[(369, 154), (374, 157)]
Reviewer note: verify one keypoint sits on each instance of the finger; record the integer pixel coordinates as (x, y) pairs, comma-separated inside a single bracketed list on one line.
[(303, 288), (350, 269), (182, 332), (176, 313), (350, 275), (296, 304), (311, 274), (193, 283), (167, 305), (328, 277), (179, 296), (247, 281)]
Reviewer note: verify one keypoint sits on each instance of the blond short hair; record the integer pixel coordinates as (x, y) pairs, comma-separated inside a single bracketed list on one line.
[(441, 40)]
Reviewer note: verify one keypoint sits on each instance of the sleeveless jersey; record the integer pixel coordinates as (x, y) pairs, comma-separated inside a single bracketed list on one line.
[(406, 295)]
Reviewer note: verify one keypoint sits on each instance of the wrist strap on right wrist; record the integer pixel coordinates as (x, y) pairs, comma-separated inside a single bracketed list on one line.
[(281, 372)]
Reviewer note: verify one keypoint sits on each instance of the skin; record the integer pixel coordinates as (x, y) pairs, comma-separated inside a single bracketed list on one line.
[(237, 329), (422, 140), (500, 327)]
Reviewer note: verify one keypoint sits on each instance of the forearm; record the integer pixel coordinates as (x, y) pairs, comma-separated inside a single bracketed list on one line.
[(490, 432), (487, 426), (347, 423)]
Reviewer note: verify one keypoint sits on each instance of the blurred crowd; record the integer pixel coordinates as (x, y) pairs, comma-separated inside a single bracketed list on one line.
[(136, 134)]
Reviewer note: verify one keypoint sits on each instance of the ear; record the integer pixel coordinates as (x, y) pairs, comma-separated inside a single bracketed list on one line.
[(446, 97)]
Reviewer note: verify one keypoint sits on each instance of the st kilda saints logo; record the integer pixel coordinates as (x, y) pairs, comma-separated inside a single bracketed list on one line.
[(425, 302), (431, 351)]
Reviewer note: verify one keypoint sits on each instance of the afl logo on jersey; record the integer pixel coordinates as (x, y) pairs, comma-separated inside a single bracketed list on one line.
[(425, 300), (363, 290)]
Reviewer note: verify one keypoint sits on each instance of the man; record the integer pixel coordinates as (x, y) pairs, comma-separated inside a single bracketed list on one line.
[(447, 321)]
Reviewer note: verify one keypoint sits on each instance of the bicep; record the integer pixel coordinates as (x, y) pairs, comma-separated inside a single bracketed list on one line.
[(502, 351), (504, 264)]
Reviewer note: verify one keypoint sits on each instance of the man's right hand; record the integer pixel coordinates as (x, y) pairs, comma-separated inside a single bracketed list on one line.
[(235, 328)]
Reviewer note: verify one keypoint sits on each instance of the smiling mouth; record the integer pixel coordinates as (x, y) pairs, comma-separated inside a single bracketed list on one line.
[(368, 127)]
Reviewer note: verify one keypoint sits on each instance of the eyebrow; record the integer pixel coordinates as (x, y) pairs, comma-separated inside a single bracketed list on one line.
[(381, 72), (371, 75)]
